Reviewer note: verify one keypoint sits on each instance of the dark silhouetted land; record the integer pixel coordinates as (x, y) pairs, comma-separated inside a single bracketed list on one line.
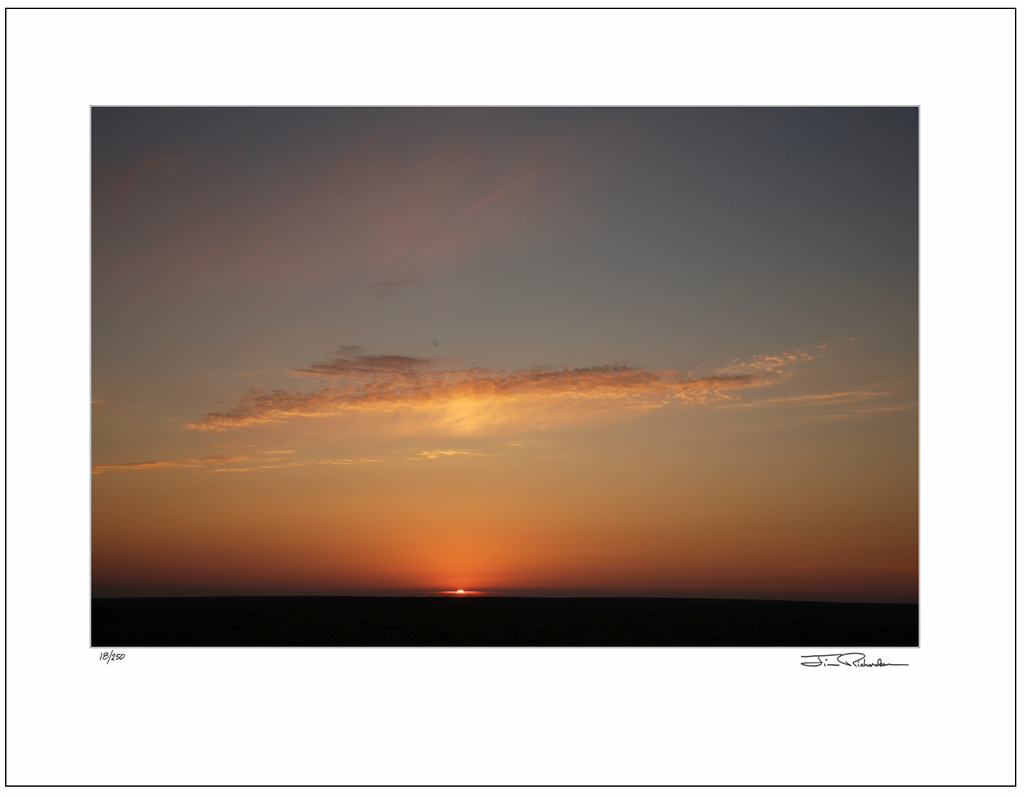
[(497, 621)]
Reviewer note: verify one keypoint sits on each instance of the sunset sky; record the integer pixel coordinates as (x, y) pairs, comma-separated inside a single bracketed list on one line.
[(609, 351)]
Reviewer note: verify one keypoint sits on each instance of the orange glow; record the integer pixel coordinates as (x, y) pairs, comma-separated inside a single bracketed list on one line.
[(568, 513)]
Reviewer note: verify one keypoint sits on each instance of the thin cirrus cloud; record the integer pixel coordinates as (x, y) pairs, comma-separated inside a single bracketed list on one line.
[(841, 397), (844, 398), (420, 393), (194, 462), (439, 453), (343, 461)]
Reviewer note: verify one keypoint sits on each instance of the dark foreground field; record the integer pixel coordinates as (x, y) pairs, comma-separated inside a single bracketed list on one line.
[(440, 621)]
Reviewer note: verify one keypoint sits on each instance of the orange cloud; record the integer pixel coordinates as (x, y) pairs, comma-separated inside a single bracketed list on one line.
[(438, 453), (769, 363), (468, 400)]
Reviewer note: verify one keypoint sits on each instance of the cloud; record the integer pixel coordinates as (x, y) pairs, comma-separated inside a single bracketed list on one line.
[(910, 405), (829, 398), (342, 461), (854, 412), (769, 363), (349, 362), (195, 462), (469, 400), (436, 454), (386, 287), (847, 403)]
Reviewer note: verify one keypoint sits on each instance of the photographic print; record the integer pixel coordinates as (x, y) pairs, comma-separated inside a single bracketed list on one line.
[(512, 376)]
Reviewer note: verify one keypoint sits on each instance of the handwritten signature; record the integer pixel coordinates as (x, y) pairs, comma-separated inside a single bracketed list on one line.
[(109, 656), (844, 659)]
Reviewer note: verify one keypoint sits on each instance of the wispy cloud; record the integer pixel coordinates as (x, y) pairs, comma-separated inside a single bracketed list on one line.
[(771, 363), (342, 461), (841, 397), (438, 453), (907, 406), (350, 362), (853, 412), (847, 403), (195, 462), (468, 400), (385, 288)]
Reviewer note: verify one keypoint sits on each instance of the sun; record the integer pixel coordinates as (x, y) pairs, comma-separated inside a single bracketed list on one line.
[(460, 592)]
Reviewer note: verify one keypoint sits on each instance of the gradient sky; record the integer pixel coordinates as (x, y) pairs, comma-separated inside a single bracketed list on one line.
[(630, 351)]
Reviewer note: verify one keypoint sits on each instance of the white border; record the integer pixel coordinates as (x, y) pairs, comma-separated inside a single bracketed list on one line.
[(525, 716)]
